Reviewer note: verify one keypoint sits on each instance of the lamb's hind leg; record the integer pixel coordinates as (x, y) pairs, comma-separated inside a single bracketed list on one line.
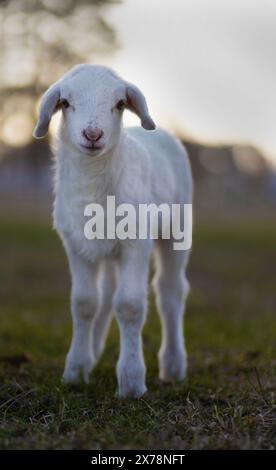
[(171, 288), (101, 322), (84, 302)]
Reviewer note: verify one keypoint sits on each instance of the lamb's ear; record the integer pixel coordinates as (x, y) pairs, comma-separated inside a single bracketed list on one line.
[(136, 103), (48, 106)]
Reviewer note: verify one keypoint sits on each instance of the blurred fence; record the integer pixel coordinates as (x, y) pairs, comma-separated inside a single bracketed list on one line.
[(230, 182)]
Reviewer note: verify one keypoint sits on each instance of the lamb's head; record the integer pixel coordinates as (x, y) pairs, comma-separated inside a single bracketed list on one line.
[(92, 99)]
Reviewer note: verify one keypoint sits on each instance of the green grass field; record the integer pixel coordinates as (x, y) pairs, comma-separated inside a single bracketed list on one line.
[(228, 399)]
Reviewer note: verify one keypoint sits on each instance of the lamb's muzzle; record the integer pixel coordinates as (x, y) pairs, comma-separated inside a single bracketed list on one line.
[(92, 134)]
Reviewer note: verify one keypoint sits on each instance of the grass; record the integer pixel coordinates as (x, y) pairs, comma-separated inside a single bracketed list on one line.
[(228, 399)]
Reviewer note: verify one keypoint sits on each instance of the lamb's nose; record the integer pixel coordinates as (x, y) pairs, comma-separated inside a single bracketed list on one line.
[(92, 134)]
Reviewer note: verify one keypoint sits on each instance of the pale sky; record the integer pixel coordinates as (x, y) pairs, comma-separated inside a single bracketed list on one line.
[(207, 67)]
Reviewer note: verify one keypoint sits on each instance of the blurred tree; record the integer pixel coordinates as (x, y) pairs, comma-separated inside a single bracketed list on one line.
[(40, 40)]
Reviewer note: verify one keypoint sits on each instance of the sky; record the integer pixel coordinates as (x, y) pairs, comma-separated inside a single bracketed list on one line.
[(206, 67)]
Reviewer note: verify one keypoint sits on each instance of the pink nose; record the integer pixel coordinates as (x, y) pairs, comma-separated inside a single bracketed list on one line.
[(92, 134)]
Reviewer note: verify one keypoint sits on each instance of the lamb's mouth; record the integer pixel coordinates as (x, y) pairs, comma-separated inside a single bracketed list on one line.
[(92, 148)]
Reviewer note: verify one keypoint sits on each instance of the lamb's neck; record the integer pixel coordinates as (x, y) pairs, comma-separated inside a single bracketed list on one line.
[(88, 177)]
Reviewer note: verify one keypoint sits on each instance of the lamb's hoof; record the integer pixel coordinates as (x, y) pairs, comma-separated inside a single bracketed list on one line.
[(75, 373), (173, 367), (132, 392), (131, 382)]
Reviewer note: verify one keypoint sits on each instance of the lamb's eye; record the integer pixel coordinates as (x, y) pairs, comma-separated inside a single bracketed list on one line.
[(120, 105), (64, 103)]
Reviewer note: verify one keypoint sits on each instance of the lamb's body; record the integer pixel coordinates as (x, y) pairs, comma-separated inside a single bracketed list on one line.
[(145, 168), (136, 167)]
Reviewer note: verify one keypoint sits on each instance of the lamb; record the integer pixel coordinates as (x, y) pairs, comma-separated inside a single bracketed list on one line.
[(96, 157)]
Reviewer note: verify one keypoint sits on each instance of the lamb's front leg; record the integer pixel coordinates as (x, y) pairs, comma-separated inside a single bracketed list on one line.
[(80, 359), (130, 304), (106, 288)]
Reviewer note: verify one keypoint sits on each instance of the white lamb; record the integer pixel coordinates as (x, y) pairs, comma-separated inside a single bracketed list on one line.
[(96, 158)]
